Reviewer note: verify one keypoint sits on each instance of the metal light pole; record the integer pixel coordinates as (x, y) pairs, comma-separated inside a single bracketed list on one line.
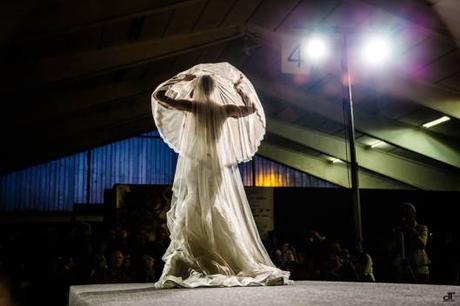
[(292, 62), (347, 100)]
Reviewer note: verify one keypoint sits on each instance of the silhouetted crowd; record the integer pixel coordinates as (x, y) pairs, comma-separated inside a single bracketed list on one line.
[(318, 258), (40, 262)]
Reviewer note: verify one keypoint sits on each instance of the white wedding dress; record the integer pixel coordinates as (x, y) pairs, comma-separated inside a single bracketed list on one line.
[(214, 239)]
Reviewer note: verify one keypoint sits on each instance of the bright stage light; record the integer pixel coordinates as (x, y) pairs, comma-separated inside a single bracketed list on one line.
[(376, 50), (316, 48), (436, 122)]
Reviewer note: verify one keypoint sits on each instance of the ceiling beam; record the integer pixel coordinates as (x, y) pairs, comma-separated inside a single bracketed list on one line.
[(46, 147), (390, 131), (34, 73), (392, 166), (49, 107), (442, 100), (431, 96), (58, 130), (323, 169), (68, 13), (416, 13), (448, 10)]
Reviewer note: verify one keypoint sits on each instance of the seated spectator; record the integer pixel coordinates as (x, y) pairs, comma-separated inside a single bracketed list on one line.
[(337, 265), (286, 257), (347, 271), (148, 273), (116, 273), (128, 268), (363, 264), (66, 277), (330, 266), (100, 272), (313, 253)]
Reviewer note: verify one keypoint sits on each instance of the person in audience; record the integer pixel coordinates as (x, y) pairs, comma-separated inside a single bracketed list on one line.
[(314, 251), (286, 257), (67, 275), (148, 273), (121, 240), (411, 261), (363, 264), (116, 273), (100, 272), (330, 266), (128, 268), (347, 270)]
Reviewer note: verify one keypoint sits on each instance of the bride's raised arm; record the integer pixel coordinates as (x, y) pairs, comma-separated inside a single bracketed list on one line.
[(179, 104), (240, 111)]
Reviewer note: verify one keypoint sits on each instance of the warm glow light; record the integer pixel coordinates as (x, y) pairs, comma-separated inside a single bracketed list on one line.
[(436, 122), (270, 179), (315, 48), (376, 50), (377, 143)]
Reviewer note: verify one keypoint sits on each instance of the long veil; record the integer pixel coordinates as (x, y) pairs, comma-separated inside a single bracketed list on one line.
[(239, 137), (214, 238)]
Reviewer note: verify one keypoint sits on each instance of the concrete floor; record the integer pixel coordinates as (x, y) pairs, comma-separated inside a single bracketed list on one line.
[(301, 293)]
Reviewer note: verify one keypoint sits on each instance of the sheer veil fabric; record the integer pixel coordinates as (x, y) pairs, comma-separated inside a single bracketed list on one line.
[(214, 239)]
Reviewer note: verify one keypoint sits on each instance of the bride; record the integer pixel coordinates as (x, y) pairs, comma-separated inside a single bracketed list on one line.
[(210, 114)]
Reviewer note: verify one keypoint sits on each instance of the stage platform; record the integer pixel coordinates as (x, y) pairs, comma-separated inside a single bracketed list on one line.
[(301, 293)]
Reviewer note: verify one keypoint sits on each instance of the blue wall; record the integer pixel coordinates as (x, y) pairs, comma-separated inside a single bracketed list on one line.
[(145, 159)]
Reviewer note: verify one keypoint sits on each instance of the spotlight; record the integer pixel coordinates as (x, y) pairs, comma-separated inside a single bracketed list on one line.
[(315, 48), (436, 122), (376, 50)]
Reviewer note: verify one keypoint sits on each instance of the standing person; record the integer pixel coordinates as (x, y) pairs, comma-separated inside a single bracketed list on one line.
[(412, 262), (211, 115)]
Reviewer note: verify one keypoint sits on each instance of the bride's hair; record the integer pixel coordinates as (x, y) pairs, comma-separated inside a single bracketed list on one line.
[(205, 85)]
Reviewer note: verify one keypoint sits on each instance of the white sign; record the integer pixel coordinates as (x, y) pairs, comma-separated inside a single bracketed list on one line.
[(292, 58), (261, 202)]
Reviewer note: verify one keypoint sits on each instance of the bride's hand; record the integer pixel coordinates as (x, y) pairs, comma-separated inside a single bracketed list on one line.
[(184, 77), (238, 82), (243, 95), (188, 77)]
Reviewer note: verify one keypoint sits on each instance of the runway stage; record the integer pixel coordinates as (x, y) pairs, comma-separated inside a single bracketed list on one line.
[(301, 293)]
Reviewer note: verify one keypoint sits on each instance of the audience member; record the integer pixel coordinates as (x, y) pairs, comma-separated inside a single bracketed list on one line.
[(116, 273), (363, 264), (411, 260), (148, 273), (286, 257), (128, 268), (100, 272)]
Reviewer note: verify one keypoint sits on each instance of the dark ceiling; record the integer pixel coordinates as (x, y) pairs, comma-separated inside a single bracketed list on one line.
[(78, 74)]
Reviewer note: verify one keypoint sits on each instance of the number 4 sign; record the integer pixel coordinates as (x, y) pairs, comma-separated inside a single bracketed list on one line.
[(292, 59)]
